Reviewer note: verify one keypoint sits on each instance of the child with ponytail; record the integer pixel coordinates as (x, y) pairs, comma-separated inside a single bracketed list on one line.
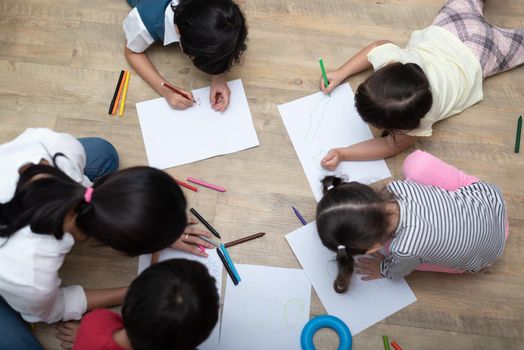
[(47, 203), (438, 219)]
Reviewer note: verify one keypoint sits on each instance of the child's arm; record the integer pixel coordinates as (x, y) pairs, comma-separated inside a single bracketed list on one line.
[(377, 148), (144, 67), (398, 266), (354, 65), (103, 298)]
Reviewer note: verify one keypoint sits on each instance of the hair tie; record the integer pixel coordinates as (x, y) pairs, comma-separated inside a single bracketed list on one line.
[(330, 187), (88, 194), (341, 247)]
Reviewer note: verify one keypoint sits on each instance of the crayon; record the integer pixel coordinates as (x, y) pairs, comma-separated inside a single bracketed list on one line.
[(115, 107), (210, 241), (519, 132), (175, 90), (226, 265), (186, 185), (116, 92), (244, 239), (230, 262), (324, 75), (205, 223), (386, 342), (395, 345), (297, 213), (206, 184), (124, 94)]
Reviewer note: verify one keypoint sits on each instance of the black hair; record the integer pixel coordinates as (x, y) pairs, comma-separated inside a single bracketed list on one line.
[(136, 210), (351, 218), (395, 97), (171, 305), (212, 33)]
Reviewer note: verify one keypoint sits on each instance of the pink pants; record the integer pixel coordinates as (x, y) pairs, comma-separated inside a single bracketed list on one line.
[(426, 169)]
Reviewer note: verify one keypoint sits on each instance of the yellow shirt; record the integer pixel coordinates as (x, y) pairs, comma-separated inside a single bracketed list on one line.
[(453, 71)]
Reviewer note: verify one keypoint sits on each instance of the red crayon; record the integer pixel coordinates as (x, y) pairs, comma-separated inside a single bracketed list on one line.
[(175, 90), (182, 183), (395, 345)]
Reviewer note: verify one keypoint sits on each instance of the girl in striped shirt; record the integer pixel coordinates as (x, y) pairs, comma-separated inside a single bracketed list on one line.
[(438, 219)]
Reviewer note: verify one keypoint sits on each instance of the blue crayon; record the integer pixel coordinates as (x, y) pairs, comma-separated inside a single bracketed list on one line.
[(230, 262)]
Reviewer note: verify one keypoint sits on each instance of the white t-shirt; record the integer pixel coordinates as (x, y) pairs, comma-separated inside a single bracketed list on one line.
[(139, 39), (29, 262), (453, 71)]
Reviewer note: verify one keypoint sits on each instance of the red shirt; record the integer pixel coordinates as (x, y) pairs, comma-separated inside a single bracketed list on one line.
[(96, 331)]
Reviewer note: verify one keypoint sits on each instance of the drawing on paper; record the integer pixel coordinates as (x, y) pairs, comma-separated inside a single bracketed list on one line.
[(262, 311), (316, 117), (293, 311)]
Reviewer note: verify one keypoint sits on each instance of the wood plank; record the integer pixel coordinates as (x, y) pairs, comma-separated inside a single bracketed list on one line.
[(37, 39), (59, 63)]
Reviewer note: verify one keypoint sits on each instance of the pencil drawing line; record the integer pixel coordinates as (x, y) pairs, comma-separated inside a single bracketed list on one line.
[(316, 118), (293, 309)]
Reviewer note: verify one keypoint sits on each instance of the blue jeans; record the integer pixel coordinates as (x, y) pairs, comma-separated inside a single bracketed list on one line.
[(14, 332), (102, 158)]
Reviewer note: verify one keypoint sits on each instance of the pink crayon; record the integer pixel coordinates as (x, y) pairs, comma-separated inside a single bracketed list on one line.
[(202, 249), (206, 184)]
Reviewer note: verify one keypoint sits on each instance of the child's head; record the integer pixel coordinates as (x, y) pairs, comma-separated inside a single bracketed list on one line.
[(136, 210), (351, 218), (212, 33), (395, 97), (171, 305)]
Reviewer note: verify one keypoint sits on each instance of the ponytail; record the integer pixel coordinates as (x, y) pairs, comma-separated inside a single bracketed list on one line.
[(137, 210), (43, 197), (351, 217), (330, 182), (345, 270)]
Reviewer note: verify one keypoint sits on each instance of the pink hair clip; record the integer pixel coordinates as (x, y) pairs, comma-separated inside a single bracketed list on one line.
[(88, 194)]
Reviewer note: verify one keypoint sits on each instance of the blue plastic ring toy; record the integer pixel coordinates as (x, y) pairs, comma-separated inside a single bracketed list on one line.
[(326, 321)]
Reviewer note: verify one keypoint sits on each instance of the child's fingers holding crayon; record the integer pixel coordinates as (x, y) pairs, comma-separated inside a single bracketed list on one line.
[(331, 160), (334, 79), (178, 101)]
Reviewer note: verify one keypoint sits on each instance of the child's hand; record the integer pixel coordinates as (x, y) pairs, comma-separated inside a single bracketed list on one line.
[(220, 93), (334, 77), (176, 101), (331, 160), (370, 267), (67, 333), (189, 241)]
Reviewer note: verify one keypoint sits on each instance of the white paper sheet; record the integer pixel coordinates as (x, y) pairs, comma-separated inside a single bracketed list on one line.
[(366, 302), (267, 310), (173, 137), (214, 266), (318, 123)]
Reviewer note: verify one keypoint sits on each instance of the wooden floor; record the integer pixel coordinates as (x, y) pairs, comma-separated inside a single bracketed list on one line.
[(60, 59)]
